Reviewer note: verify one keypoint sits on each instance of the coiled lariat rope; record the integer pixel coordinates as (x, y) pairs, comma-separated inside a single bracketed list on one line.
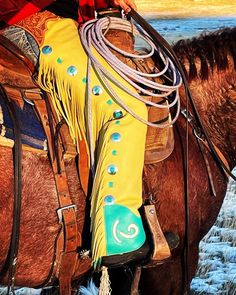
[(92, 35)]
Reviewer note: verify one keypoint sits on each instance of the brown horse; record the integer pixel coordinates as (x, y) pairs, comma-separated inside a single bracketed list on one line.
[(213, 83), (210, 62)]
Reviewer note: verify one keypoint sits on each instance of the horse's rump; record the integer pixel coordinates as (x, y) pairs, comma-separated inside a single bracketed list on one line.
[(39, 221), (39, 226)]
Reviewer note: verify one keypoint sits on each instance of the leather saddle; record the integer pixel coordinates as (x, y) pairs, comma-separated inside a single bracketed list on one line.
[(15, 69), (16, 73)]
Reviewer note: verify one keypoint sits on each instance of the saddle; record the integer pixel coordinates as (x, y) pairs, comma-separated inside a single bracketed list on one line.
[(20, 86)]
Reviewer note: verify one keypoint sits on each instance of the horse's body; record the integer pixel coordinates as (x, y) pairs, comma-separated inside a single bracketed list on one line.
[(215, 98), (216, 101)]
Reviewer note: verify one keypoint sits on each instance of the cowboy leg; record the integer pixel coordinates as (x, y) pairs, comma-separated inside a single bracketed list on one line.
[(118, 139), (117, 190)]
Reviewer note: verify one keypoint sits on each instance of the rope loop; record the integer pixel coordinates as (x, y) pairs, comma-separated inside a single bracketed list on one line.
[(93, 33)]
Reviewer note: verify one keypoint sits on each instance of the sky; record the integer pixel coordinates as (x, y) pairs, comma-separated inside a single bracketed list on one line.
[(187, 7)]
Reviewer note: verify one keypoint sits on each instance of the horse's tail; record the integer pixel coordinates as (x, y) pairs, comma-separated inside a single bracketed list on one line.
[(90, 290)]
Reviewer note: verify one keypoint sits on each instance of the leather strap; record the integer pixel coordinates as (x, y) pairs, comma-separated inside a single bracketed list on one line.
[(20, 95), (11, 261), (203, 144), (70, 240), (10, 46), (135, 283), (83, 165)]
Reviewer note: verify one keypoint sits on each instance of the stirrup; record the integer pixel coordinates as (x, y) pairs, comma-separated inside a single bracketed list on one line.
[(139, 256)]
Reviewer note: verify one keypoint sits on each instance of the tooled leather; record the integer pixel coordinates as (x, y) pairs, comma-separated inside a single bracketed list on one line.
[(157, 139), (9, 62), (36, 24)]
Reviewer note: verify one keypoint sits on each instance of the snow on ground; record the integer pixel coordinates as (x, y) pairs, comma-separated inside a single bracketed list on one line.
[(216, 272), (22, 291)]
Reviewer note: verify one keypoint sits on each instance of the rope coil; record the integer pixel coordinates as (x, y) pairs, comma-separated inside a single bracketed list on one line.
[(93, 35)]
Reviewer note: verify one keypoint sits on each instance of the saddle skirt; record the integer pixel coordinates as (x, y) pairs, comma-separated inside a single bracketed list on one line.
[(16, 76)]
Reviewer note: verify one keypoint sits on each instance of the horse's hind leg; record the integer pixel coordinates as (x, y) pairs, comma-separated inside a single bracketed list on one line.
[(165, 279)]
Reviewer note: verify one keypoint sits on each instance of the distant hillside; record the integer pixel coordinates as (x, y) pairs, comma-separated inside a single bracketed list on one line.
[(187, 8)]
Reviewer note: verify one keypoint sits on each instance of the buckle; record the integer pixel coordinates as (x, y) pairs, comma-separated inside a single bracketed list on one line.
[(59, 211), (28, 93)]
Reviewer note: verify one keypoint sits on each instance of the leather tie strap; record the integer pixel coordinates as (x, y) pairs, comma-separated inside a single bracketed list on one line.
[(15, 235), (69, 239), (11, 47)]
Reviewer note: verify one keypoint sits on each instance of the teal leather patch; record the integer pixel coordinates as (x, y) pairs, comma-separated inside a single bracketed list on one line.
[(124, 230)]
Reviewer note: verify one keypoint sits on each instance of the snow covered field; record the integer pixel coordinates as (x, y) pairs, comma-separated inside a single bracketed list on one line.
[(216, 272)]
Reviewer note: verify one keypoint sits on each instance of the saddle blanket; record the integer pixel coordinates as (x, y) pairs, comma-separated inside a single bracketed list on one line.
[(32, 133)]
